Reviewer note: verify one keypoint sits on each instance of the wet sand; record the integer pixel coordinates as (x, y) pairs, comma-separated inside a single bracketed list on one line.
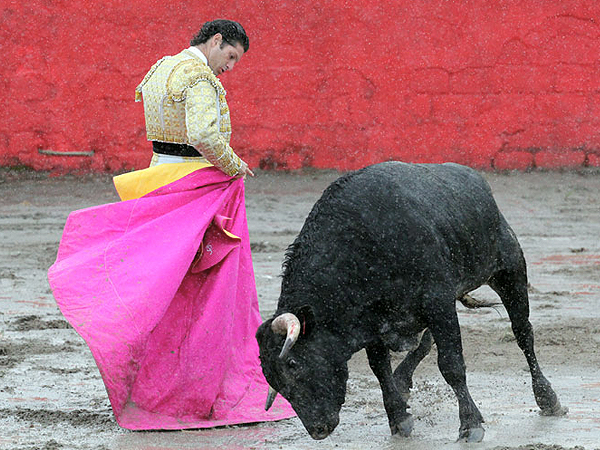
[(52, 396)]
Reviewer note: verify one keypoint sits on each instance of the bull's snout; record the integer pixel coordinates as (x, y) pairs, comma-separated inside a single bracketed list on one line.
[(322, 430)]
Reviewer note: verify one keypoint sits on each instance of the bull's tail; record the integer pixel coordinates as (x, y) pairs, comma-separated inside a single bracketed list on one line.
[(473, 303)]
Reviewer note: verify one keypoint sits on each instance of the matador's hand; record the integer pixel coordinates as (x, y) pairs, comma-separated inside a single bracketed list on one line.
[(244, 170)]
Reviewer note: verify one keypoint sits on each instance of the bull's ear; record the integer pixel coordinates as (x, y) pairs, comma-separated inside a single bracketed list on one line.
[(306, 316)]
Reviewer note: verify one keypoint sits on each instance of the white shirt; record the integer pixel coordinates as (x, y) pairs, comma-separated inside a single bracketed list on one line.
[(196, 51)]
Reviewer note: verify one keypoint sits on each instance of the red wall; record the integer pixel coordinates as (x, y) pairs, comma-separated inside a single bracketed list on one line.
[(331, 84)]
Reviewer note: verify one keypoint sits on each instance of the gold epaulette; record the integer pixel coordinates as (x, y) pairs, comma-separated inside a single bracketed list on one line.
[(186, 75), (138, 89)]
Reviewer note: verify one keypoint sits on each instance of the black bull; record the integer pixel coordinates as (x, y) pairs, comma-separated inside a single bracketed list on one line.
[(384, 254)]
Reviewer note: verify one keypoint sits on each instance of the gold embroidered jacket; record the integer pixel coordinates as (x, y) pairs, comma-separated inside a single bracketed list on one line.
[(184, 103)]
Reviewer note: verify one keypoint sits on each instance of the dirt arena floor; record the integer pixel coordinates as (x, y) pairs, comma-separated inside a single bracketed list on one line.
[(52, 397)]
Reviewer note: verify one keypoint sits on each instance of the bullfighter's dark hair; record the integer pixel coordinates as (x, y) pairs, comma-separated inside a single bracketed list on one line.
[(233, 33)]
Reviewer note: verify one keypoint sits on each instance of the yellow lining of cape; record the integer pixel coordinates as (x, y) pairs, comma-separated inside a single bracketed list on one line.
[(228, 233), (138, 183)]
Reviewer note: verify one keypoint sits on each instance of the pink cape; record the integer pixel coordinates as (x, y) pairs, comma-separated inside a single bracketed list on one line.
[(162, 290)]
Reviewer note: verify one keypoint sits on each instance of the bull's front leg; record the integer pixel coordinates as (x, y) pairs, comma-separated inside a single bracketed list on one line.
[(445, 329), (401, 422)]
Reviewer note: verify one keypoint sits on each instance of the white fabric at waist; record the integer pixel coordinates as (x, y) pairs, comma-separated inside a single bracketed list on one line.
[(158, 158)]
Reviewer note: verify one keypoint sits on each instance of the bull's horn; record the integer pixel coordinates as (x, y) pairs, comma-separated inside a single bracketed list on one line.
[(289, 325), (270, 398)]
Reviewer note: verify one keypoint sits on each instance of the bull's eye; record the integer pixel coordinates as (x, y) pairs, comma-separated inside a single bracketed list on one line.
[(292, 364)]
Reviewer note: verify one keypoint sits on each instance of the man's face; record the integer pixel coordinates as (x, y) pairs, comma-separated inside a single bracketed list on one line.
[(223, 56)]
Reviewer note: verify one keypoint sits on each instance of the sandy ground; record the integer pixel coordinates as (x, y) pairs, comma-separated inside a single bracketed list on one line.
[(52, 397)]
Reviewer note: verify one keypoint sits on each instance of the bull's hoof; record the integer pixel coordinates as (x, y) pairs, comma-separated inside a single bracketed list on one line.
[(405, 427), (556, 410), (471, 435)]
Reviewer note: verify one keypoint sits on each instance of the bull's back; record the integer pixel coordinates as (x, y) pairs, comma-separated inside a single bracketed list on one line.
[(436, 220)]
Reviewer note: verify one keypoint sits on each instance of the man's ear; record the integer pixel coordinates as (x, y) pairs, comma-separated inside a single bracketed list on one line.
[(217, 39), (306, 316)]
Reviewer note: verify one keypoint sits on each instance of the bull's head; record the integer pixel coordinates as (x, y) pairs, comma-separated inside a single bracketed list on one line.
[(305, 365)]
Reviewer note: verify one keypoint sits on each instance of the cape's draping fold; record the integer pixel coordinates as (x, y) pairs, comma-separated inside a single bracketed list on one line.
[(162, 290)]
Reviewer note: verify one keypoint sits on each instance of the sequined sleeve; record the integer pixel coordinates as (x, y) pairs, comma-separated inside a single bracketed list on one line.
[(202, 122)]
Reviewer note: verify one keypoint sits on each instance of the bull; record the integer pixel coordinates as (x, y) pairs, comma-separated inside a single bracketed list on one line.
[(379, 264)]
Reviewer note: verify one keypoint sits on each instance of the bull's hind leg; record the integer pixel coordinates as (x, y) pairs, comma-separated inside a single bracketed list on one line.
[(512, 289), (401, 422), (445, 329), (403, 374)]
